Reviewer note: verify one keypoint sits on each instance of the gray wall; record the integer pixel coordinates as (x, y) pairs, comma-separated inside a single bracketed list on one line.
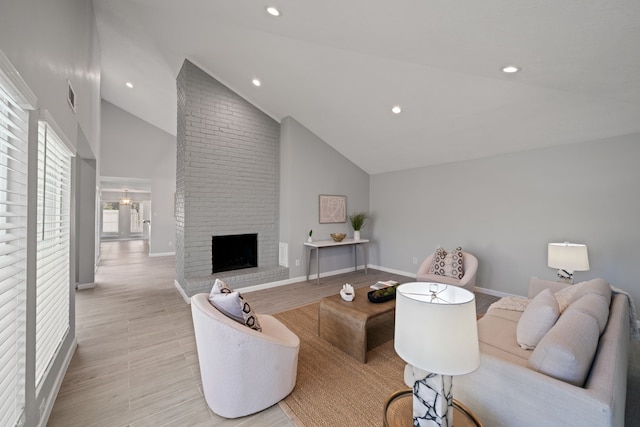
[(506, 209), (310, 167), (86, 221), (50, 43), (133, 148)]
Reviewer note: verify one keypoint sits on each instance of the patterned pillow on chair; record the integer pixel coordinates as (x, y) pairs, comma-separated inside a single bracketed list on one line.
[(233, 305), (447, 264)]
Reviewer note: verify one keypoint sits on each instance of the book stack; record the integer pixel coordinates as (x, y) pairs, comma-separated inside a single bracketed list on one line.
[(385, 284)]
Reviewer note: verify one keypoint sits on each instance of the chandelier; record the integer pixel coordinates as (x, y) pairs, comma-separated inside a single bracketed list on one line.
[(125, 200)]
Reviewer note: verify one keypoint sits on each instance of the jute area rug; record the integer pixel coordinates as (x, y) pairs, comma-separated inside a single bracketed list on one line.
[(332, 388)]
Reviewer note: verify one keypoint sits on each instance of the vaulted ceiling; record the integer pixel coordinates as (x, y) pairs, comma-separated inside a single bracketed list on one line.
[(339, 66)]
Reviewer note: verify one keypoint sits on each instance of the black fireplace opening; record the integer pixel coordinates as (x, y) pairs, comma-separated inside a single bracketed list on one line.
[(234, 252)]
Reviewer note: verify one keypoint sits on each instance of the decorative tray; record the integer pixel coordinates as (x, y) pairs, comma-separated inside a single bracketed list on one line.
[(382, 295)]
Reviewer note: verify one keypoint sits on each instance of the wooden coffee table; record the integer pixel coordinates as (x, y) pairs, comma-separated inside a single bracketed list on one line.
[(344, 324)]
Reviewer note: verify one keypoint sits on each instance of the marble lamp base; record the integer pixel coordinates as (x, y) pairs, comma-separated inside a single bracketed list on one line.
[(432, 397)]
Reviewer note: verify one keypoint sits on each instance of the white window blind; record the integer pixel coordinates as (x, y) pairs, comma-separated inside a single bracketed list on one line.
[(13, 227), (53, 273)]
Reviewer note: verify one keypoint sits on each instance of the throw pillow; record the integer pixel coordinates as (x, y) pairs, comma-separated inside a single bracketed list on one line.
[(537, 319), (567, 350), (565, 296), (220, 287), (571, 294), (233, 305), (229, 303), (447, 264)]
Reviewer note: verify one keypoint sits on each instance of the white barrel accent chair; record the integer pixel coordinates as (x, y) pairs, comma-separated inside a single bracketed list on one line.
[(243, 371), (468, 280)]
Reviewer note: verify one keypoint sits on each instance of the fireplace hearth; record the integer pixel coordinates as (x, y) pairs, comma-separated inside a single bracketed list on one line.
[(234, 252)]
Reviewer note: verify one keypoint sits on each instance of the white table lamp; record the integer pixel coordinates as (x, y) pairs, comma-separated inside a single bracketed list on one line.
[(567, 258), (437, 334)]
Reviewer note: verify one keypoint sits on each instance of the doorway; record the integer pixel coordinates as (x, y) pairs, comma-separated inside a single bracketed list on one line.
[(123, 221)]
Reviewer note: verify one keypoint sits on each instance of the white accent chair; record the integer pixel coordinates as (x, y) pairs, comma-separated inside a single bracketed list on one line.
[(468, 280), (243, 371)]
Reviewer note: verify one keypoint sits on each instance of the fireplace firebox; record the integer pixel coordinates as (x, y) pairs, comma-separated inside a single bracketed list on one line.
[(234, 252)]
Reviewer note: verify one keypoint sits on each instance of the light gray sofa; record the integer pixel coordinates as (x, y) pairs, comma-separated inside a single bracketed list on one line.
[(507, 391)]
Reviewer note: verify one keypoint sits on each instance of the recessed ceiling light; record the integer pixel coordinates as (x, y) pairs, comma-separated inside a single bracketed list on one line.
[(129, 85), (256, 82), (511, 69), (273, 11), (396, 109)]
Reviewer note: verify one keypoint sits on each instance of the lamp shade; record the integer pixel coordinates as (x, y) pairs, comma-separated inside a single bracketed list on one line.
[(438, 334), (568, 256)]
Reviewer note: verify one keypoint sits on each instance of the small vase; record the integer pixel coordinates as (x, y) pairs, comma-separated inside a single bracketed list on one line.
[(356, 235), (309, 239)]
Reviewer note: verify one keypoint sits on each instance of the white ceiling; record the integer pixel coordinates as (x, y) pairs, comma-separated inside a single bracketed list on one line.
[(338, 66)]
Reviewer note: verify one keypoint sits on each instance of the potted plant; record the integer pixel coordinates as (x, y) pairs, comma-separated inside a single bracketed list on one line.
[(357, 221), (310, 239)]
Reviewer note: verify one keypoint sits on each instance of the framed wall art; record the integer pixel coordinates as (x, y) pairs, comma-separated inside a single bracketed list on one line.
[(333, 209)]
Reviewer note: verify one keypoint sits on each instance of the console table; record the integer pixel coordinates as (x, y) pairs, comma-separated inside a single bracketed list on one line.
[(322, 244)]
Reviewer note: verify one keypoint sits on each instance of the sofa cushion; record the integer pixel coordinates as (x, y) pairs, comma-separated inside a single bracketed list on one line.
[(537, 319), (497, 330), (567, 350), (572, 293), (512, 315), (595, 305), (233, 305), (447, 264)]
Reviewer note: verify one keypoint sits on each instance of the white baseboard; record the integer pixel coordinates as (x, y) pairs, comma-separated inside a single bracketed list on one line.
[(161, 254), (476, 289), (272, 284), (392, 271), (492, 292), (315, 277), (51, 399), (330, 273), (182, 293), (335, 273), (280, 282)]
